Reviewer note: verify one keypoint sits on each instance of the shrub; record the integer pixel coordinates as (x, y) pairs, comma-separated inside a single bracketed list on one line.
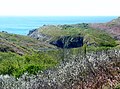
[(16, 65)]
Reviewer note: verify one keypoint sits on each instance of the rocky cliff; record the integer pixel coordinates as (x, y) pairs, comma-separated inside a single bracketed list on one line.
[(68, 42), (52, 34)]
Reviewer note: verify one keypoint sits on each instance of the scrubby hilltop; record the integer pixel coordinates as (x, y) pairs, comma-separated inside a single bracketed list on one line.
[(91, 36), (112, 27)]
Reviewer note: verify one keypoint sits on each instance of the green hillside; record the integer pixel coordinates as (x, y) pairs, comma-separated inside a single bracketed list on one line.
[(21, 52), (18, 54), (91, 36), (20, 44)]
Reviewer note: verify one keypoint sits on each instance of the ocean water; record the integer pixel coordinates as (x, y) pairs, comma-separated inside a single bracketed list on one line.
[(22, 25)]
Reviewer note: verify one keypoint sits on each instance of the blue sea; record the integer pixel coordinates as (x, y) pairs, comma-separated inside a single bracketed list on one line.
[(22, 24)]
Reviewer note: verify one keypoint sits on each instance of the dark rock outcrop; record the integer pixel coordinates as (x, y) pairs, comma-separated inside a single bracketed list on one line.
[(31, 31), (4, 32), (68, 42)]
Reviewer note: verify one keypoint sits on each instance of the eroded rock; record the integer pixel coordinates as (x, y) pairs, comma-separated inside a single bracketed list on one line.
[(68, 42)]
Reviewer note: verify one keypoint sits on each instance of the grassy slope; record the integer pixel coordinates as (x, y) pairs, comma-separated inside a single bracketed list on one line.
[(20, 43), (31, 61)]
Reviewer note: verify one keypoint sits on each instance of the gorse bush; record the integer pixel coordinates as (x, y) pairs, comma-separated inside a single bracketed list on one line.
[(106, 41), (16, 65)]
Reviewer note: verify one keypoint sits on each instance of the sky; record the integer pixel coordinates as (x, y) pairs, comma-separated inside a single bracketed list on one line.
[(59, 7)]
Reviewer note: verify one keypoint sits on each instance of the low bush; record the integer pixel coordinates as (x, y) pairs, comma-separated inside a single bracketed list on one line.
[(16, 65)]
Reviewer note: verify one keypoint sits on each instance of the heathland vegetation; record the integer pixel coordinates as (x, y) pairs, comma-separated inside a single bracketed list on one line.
[(96, 58)]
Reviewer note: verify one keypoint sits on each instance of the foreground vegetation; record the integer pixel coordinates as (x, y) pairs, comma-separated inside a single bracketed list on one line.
[(16, 65), (78, 69), (65, 68)]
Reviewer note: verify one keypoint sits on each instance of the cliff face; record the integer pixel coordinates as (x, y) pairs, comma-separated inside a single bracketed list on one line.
[(68, 42), (57, 37), (37, 35)]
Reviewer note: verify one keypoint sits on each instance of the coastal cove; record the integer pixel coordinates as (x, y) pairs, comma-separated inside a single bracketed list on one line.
[(23, 24)]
